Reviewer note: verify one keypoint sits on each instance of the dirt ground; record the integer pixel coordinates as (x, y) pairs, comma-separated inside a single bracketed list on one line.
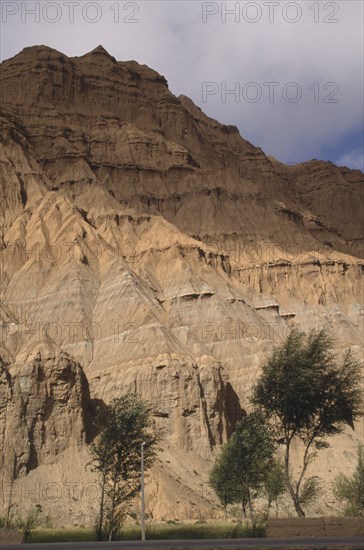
[(315, 527)]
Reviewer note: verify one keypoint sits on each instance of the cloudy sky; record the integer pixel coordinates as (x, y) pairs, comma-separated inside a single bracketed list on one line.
[(288, 74)]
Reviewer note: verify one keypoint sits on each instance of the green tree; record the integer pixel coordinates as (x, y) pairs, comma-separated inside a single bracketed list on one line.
[(222, 481), (275, 485), (351, 490), (116, 456), (241, 469), (309, 395)]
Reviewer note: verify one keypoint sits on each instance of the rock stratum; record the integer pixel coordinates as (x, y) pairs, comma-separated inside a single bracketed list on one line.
[(145, 247)]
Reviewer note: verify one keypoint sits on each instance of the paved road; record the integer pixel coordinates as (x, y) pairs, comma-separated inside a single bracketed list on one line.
[(236, 544)]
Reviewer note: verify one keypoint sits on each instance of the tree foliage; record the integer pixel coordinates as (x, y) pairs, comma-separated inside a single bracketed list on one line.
[(223, 482), (116, 457), (309, 395), (351, 490), (274, 485), (310, 490), (240, 471)]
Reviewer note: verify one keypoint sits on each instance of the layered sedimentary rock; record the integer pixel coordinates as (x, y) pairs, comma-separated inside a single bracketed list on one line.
[(164, 255)]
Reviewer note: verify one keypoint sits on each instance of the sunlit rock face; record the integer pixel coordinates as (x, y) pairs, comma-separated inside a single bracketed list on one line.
[(145, 247)]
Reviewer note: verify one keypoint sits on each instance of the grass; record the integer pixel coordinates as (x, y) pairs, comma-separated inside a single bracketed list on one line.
[(62, 535), (170, 531), (203, 531)]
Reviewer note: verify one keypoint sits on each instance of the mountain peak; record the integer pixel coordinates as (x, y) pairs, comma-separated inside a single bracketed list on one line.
[(100, 50), (38, 51)]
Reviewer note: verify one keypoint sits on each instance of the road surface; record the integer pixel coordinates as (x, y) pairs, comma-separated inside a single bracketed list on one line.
[(236, 544)]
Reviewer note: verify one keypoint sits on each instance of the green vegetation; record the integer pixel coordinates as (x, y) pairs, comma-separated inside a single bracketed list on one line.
[(351, 490), (26, 524), (242, 469), (308, 395), (170, 531), (63, 535), (274, 486), (116, 456)]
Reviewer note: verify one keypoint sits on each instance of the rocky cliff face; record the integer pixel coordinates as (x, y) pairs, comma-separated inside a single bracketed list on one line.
[(44, 410), (43, 393), (149, 248)]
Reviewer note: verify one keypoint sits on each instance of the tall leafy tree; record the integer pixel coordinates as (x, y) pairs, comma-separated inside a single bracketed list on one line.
[(116, 456), (240, 471), (223, 481), (309, 395), (351, 490)]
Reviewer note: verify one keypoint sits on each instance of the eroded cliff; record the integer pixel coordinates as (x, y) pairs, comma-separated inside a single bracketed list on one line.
[(146, 247)]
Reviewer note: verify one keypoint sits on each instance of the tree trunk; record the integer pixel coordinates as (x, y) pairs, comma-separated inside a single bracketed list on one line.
[(111, 534), (293, 493), (297, 506), (250, 504), (243, 507), (269, 505), (102, 503), (299, 510), (112, 511)]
